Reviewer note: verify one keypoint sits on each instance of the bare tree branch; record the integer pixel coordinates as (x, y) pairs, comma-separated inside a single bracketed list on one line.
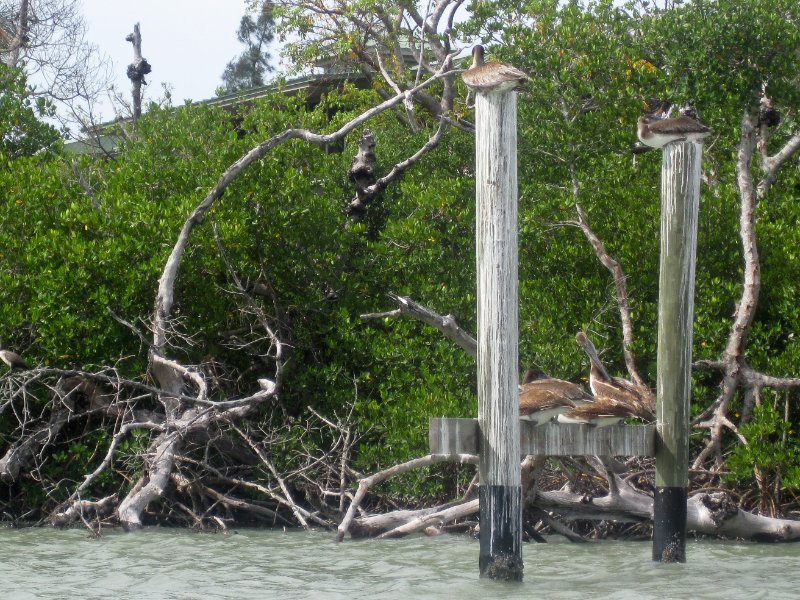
[(366, 483), (621, 291), (447, 324), (733, 356)]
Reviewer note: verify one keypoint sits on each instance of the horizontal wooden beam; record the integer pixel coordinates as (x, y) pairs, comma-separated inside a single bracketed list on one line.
[(462, 436)]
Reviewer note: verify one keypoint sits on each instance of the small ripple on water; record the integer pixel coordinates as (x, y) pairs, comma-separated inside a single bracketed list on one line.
[(173, 564)]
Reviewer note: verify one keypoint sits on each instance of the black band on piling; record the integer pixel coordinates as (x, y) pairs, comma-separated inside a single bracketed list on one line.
[(669, 524), (500, 556)]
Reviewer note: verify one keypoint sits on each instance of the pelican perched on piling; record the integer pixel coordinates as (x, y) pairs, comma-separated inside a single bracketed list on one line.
[(639, 398), (491, 76), (657, 133), (541, 397)]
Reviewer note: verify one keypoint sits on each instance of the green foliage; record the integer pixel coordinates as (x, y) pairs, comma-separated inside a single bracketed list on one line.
[(717, 54), (248, 70), (22, 131), (66, 258), (772, 449)]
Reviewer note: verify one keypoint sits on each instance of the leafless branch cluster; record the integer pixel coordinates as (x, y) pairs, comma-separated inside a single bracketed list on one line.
[(49, 37), (394, 42)]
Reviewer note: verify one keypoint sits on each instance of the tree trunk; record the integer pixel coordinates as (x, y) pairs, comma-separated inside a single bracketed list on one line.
[(20, 39)]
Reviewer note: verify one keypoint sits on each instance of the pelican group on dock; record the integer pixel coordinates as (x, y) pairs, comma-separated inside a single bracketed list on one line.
[(543, 399)]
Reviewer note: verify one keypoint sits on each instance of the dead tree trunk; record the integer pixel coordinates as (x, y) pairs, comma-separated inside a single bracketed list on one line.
[(20, 39), (733, 366), (137, 70)]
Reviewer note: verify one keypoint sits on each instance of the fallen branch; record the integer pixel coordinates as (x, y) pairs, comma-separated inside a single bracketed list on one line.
[(438, 518), (299, 513), (21, 454), (151, 486), (184, 483), (366, 483), (85, 510), (112, 448)]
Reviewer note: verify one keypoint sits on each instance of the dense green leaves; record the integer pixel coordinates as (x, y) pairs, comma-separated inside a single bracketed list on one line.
[(22, 131), (249, 68), (771, 454)]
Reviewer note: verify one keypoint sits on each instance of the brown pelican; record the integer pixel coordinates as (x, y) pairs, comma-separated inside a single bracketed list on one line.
[(488, 77), (541, 397), (639, 398), (657, 133), (13, 360), (601, 412)]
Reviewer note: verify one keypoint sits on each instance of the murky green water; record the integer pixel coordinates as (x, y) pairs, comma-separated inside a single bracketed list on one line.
[(170, 564)]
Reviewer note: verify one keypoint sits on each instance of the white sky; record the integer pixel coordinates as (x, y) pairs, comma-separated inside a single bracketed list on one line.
[(187, 42)]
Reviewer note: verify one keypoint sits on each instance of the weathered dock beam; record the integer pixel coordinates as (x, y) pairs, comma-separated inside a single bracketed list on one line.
[(680, 198), (454, 437)]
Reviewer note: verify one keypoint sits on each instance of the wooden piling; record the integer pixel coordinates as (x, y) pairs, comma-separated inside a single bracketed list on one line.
[(498, 403), (680, 198)]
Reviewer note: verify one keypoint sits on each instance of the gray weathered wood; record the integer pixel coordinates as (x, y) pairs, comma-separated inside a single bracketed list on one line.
[(458, 437), (500, 555), (137, 70), (680, 199), (497, 258)]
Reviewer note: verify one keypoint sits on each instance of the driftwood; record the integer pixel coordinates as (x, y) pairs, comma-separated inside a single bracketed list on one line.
[(85, 510), (438, 517), (367, 482), (22, 455), (72, 395), (709, 513)]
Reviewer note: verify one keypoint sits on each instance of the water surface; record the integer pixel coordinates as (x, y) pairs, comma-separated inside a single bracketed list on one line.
[(175, 564)]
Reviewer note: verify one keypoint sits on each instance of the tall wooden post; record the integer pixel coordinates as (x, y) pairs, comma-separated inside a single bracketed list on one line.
[(680, 198), (498, 377)]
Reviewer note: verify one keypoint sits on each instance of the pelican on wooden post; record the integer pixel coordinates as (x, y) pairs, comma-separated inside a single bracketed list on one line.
[(485, 76), (657, 133), (497, 260)]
